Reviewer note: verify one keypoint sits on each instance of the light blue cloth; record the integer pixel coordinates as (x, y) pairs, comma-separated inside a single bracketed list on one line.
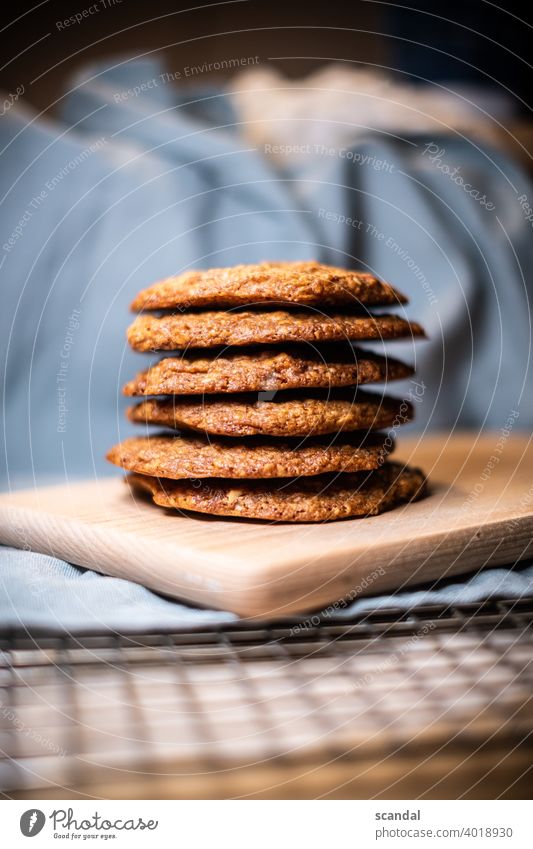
[(43, 592), (122, 189)]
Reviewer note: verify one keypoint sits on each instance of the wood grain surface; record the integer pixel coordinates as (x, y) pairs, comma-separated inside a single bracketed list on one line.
[(479, 513)]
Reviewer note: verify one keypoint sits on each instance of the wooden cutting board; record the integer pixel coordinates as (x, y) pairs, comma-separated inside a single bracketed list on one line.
[(479, 513)]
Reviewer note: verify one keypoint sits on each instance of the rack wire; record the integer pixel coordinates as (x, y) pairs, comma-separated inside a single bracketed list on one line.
[(429, 703)]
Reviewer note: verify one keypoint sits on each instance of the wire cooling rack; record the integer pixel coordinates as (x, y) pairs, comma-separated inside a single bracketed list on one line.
[(432, 703)]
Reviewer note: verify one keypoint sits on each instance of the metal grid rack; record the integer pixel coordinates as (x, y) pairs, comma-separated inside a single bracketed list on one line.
[(431, 703)]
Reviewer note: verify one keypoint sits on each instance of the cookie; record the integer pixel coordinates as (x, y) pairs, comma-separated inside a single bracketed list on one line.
[(212, 329), (281, 282), (318, 499), (188, 456), (296, 367), (288, 414)]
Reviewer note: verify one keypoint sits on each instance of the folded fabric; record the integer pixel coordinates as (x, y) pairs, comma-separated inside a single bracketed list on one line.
[(37, 591)]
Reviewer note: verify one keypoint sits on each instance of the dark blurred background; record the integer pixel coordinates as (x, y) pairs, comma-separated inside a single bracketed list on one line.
[(472, 42)]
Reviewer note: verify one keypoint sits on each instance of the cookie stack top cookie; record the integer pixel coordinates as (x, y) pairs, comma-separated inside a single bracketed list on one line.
[(287, 330), (300, 283)]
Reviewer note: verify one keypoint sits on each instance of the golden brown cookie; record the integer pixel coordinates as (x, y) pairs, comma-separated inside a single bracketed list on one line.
[(265, 369), (268, 282), (212, 329), (317, 499), (188, 456), (288, 414)]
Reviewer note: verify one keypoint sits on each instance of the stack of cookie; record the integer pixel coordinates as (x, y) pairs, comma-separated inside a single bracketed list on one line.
[(262, 394)]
